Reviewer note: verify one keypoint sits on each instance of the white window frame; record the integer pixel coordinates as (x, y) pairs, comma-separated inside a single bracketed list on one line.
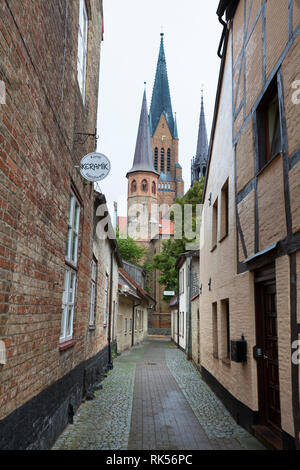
[(66, 333), (93, 293), (83, 26), (106, 298), (73, 230)]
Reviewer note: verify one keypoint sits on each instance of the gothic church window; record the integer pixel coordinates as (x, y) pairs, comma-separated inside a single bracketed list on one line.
[(169, 160), (162, 160), (133, 186), (156, 158), (144, 186)]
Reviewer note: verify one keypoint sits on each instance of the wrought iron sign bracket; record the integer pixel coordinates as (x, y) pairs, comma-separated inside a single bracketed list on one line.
[(81, 137)]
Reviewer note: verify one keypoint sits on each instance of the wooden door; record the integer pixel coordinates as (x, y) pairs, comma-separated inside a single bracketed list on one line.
[(268, 367)]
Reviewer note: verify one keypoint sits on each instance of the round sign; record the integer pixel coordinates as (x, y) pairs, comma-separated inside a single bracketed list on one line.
[(95, 167)]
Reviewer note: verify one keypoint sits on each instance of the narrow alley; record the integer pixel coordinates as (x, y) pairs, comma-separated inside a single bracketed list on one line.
[(154, 399)]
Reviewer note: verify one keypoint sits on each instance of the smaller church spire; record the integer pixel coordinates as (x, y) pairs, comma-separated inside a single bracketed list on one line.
[(202, 144), (143, 160), (199, 162)]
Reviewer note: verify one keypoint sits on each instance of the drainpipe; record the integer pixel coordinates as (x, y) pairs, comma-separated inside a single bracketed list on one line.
[(224, 33), (133, 314), (110, 361), (189, 346)]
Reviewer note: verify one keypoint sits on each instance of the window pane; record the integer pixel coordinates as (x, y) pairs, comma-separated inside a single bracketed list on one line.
[(72, 287), (62, 325), (68, 243), (69, 322), (76, 218), (74, 248), (71, 202)]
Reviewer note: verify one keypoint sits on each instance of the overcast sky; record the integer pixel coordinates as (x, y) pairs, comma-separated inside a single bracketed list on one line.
[(128, 59)]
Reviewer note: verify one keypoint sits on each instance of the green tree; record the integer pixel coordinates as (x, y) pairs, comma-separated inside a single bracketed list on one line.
[(193, 197), (130, 250), (165, 263)]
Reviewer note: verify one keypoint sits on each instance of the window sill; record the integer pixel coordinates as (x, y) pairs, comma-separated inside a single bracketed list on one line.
[(226, 361), (92, 328), (66, 345), (223, 238), (260, 170), (71, 265)]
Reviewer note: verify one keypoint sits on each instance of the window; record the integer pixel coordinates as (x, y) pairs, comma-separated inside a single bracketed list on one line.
[(214, 225), (106, 298), (225, 330), (169, 160), (153, 187), (73, 229), (181, 281), (215, 329), (162, 160), (82, 48), (130, 324), (268, 122), (93, 293), (125, 326), (224, 228), (66, 331), (133, 187), (144, 186), (156, 158)]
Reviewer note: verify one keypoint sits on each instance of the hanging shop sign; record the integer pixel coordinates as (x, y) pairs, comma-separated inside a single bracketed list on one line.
[(95, 167)]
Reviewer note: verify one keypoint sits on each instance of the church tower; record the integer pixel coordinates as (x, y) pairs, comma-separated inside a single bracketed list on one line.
[(164, 135), (199, 162), (143, 180)]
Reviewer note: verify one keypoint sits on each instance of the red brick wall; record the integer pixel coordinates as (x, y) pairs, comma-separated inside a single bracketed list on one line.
[(37, 155)]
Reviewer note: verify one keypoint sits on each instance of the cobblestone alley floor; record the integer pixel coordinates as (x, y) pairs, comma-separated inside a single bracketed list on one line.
[(154, 399)]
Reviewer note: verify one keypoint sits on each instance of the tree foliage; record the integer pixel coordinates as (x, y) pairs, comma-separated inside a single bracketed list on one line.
[(130, 250), (171, 249)]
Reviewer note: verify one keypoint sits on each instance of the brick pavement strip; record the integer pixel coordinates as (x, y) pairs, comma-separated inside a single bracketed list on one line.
[(154, 399)]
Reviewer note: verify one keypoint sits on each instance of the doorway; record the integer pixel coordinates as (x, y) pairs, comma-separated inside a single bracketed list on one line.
[(267, 350)]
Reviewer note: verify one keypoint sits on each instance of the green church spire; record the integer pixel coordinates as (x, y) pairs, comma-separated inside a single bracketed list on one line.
[(161, 98)]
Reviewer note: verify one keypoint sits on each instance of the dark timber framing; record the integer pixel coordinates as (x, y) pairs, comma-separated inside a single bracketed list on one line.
[(291, 244)]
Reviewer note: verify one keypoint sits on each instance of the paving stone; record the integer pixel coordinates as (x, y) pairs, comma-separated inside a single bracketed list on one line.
[(154, 399)]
